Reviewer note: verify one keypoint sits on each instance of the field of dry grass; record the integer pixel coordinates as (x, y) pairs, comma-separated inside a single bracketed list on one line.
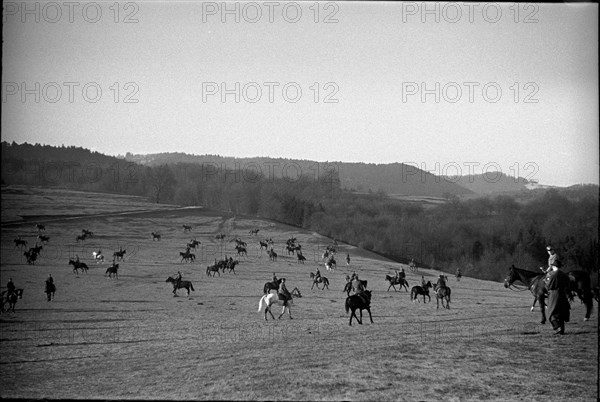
[(131, 339)]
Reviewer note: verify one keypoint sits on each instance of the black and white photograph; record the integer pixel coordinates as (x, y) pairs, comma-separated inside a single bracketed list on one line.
[(299, 200)]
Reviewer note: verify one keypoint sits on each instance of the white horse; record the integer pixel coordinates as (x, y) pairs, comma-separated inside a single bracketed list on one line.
[(272, 298), (98, 257)]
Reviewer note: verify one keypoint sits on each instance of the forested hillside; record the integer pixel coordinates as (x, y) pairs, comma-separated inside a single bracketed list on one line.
[(393, 178), (483, 236)]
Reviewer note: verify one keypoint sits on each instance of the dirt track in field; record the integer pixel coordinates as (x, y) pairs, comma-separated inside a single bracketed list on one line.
[(130, 338)]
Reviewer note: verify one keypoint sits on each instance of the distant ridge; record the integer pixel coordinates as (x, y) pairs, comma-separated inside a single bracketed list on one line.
[(394, 178), (493, 182)]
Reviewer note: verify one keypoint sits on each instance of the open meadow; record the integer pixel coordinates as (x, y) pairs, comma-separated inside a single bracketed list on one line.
[(130, 338)]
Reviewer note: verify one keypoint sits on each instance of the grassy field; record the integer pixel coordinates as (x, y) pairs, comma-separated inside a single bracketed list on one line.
[(129, 338)]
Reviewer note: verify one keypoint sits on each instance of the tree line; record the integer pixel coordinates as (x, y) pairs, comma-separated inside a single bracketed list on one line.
[(481, 236)]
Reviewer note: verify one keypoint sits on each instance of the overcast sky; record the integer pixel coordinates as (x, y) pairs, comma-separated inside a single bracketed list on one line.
[(500, 86)]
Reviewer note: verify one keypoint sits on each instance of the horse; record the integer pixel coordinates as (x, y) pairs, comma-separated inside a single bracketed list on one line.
[(112, 270), (271, 286), (442, 293), (214, 269), (11, 299), (98, 257), (118, 255), (187, 256), (534, 282), (193, 243), (317, 280), (458, 276), (20, 243), (187, 285), (580, 284), (420, 290), (354, 285), (413, 267), (220, 236), (31, 256), (361, 301), (254, 231), (155, 236), (241, 250), (40, 227), (50, 290), (231, 266), (331, 264), (78, 265), (263, 244), (187, 228), (269, 299), (301, 258), (396, 281), (87, 233), (44, 239), (80, 237), (37, 249), (272, 255)]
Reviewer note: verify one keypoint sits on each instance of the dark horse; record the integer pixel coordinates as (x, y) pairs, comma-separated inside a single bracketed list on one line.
[(320, 279), (396, 281), (11, 299), (271, 286), (534, 282), (78, 265), (420, 290), (361, 301), (187, 285), (112, 270), (580, 284)]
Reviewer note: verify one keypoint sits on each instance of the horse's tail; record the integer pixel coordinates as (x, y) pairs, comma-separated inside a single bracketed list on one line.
[(192, 287), (260, 303)]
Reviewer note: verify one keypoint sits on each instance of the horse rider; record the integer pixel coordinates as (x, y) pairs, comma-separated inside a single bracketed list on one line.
[(401, 275), (10, 287), (441, 283), (50, 286), (348, 259), (423, 283), (557, 283), (552, 259), (283, 293), (76, 259), (178, 278), (353, 277), (318, 275), (274, 278)]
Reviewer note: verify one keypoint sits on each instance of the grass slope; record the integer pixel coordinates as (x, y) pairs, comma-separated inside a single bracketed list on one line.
[(130, 338)]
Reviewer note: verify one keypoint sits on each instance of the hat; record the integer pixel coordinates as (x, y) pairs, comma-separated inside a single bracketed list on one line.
[(549, 248)]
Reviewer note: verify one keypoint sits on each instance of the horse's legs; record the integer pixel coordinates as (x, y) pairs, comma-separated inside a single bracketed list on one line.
[(534, 300), (353, 315), (360, 322), (370, 317), (543, 308)]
